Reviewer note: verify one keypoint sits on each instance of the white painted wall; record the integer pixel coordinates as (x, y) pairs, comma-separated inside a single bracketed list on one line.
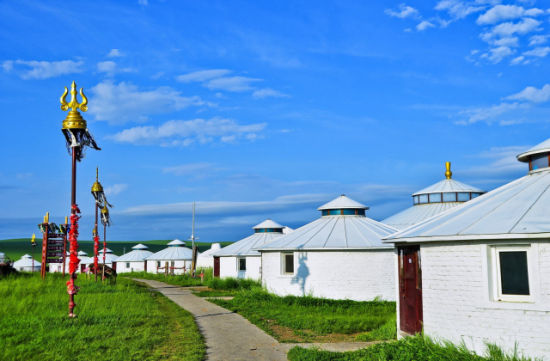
[(228, 267), (354, 275), (126, 267), (152, 266), (458, 304)]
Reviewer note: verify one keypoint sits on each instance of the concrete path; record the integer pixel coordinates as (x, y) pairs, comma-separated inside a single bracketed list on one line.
[(229, 336)]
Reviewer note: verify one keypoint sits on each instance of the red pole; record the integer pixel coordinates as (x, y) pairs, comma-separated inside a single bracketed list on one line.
[(104, 248), (96, 242), (72, 289)]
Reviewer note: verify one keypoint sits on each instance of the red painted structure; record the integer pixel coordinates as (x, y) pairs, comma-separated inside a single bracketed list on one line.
[(410, 289), (54, 248)]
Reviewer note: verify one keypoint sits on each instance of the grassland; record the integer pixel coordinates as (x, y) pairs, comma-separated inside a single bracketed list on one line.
[(15, 248), (408, 349), (115, 322)]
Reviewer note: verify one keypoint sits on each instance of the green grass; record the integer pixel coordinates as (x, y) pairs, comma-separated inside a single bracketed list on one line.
[(309, 319), (408, 349), (15, 248), (115, 322)]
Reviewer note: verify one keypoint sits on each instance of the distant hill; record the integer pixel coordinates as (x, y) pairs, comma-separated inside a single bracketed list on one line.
[(15, 248)]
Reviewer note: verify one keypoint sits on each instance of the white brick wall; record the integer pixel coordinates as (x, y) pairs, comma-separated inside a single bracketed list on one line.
[(228, 268), (458, 305), (354, 275), (134, 267)]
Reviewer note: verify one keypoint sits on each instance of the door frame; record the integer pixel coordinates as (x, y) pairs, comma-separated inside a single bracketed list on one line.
[(417, 316)]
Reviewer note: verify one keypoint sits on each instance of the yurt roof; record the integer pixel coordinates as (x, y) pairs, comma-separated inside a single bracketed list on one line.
[(176, 242), (268, 223), (136, 255), (82, 253), (448, 185), (515, 210), (417, 213), (172, 253), (342, 202), (247, 246), (140, 247), (26, 261), (335, 232), (106, 250), (539, 148), (210, 252)]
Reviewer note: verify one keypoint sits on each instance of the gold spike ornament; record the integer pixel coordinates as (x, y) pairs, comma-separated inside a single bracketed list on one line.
[(74, 120), (448, 173)]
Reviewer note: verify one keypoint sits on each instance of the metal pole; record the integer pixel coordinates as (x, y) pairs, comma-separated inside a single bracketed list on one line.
[(73, 238)]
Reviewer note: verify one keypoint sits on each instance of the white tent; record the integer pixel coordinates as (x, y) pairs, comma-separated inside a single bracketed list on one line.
[(240, 259), (175, 259), (433, 200), (134, 261), (27, 264), (2, 257), (338, 256), (206, 258), (483, 275), (110, 258)]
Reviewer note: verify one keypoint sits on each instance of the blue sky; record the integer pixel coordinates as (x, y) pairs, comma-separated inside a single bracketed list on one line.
[(264, 109)]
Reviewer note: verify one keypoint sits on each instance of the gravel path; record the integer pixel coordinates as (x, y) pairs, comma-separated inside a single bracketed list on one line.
[(229, 336)]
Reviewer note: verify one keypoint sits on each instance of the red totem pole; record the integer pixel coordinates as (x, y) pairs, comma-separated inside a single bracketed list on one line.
[(77, 137)]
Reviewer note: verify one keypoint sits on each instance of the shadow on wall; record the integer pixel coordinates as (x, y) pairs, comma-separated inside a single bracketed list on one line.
[(302, 273)]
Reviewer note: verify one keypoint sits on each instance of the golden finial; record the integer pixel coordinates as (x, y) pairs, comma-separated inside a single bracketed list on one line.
[(105, 210), (97, 187), (66, 220), (74, 120), (448, 173), (47, 217)]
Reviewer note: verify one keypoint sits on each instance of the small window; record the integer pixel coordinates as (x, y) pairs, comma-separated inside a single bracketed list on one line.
[(511, 273), (415, 200), (158, 263), (423, 198), (242, 264), (127, 264), (449, 197), (435, 198), (288, 263), (475, 195), (463, 196), (540, 161)]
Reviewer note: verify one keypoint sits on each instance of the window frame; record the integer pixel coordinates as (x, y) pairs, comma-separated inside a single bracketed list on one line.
[(239, 259), (283, 264), (496, 279)]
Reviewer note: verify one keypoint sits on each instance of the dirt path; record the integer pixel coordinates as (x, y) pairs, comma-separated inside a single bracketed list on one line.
[(229, 336)]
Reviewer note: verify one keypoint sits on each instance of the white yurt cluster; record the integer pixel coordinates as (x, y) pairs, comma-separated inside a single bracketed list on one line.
[(433, 200), (241, 259), (206, 258), (110, 258), (338, 256), (134, 261), (484, 270), (27, 264), (174, 259)]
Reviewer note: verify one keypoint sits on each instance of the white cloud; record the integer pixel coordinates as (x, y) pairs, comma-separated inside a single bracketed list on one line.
[(495, 55), (532, 94), (188, 169), (202, 75), (34, 69), (268, 92), (538, 39), (115, 189), (404, 11), (502, 166), (458, 9), (106, 66), (524, 26), (123, 102), (186, 132), (509, 42), (487, 114), (424, 25), (500, 12), (517, 60), (540, 52), (232, 84), (143, 2), (115, 53)]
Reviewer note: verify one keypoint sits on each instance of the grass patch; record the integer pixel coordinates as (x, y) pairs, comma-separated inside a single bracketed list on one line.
[(215, 293), (116, 322), (407, 349), (309, 319)]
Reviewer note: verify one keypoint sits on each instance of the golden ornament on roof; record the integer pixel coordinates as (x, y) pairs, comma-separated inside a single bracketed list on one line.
[(448, 173), (97, 187), (74, 120)]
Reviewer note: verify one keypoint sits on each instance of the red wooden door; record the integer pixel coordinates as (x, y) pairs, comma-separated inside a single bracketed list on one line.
[(216, 266), (410, 289)]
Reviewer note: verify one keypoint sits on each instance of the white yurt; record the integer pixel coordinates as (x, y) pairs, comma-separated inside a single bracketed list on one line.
[(111, 259), (338, 256), (58, 267), (206, 258), (134, 261), (27, 264), (175, 259), (240, 259), (85, 261), (484, 274), (433, 200), (2, 257)]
